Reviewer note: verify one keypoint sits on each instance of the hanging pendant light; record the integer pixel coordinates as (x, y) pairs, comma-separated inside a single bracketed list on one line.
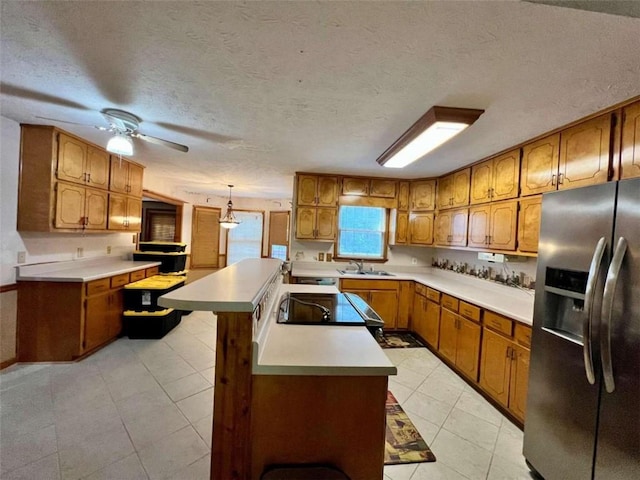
[(229, 220)]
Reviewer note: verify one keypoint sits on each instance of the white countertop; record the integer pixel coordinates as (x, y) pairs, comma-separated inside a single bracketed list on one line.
[(236, 288), (317, 349), (508, 301), (82, 270)]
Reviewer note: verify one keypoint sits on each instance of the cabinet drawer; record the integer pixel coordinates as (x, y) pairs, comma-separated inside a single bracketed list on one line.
[(433, 295), (449, 302), (137, 275), (119, 280), (150, 272), (498, 323), (98, 286), (422, 290), (523, 335), (470, 311)]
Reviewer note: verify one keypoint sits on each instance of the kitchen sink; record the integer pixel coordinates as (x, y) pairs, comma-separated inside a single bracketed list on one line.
[(377, 273)]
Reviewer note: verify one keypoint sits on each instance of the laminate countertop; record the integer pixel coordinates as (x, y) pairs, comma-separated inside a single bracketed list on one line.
[(511, 302), (82, 270)]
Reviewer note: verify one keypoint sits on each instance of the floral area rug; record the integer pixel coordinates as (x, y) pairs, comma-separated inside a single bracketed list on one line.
[(399, 340), (403, 443)]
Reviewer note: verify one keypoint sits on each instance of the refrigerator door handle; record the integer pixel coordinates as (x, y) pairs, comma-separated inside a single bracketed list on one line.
[(607, 309), (589, 295)]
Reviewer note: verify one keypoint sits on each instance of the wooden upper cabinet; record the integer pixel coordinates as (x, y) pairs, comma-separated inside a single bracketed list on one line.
[(97, 168), (327, 191), (451, 227), (496, 179), (125, 213), (81, 163), (423, 194), (402, 228), (529, 223), (539, 169), (584, 153), (305, 223), (460, 188), (135, 179), (326, 224), (506, 176), (459, 224), (383, 188), (403, 196), (444, 192), (317, 191), (453, 190), (502, 225), (630, 155), (421, 228), (481, 175), (355, 186), (126, 177), (80, 208), (442, 228), (478, 236), (307, 190), (72, 157)]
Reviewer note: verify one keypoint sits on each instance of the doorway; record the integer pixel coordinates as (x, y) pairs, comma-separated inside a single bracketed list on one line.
[(205, 237), (161, 218)]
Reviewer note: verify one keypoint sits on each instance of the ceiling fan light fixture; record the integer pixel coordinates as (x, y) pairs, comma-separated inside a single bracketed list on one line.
[(434, 128), (229, 220), (120, 144)]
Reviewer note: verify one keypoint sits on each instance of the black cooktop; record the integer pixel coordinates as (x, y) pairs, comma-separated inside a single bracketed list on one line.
[(321, 309)]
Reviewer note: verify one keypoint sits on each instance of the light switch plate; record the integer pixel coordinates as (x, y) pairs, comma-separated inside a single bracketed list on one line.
[(22, 257)]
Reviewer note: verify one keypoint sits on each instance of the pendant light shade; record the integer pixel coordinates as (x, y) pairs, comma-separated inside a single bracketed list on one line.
[(120, 145), (229, 220), (434, 128)]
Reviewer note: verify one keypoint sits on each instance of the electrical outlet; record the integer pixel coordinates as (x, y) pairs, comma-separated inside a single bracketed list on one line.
[(414, 261), (22, 257), (109, 250), (80, 252)]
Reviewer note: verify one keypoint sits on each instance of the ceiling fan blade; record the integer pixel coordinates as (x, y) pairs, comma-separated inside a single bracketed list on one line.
[(159, 141), (73, 123)]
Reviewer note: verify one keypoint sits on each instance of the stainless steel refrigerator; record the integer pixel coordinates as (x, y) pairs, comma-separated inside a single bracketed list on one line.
[(583, 405)]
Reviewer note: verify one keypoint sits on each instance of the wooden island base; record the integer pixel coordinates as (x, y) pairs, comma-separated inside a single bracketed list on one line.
[(319, 419)]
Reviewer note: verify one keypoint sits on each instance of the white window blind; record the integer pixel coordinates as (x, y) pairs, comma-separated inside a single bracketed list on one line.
[(245, 241), (361, 232)]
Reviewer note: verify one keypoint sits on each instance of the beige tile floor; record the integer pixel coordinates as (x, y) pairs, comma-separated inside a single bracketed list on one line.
[(142, 409)]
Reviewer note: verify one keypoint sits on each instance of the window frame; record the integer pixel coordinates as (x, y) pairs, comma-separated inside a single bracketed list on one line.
[(385, 237), (226, 240)]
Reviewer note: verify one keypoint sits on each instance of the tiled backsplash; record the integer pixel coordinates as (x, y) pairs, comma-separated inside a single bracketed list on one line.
[(513, 274)]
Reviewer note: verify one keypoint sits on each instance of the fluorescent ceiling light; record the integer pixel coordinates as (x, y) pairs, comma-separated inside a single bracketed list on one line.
[(120, 145), (433, 129)]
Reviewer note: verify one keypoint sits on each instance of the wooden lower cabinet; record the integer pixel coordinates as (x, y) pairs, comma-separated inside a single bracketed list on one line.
[(426, 319), (381, 295), (448, 334), (504, 371), (62, 321), (468, 347)]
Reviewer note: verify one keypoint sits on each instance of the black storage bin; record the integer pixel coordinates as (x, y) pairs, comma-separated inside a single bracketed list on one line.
[(143, 295), (150, 325), (170, 261), (157, 246)]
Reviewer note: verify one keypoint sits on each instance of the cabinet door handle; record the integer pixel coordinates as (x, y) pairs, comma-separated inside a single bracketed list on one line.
[(492, 191), (89, 177), (560, 181), (509, 352), (486, 239), (553, 179), (84, 177)]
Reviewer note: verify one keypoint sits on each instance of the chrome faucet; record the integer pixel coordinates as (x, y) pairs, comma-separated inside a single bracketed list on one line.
[(359, 264)]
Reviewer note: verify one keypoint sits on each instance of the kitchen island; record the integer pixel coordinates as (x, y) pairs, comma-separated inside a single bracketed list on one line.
[(287, 394)]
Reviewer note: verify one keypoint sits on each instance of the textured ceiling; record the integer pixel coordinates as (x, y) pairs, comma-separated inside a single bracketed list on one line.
[(263, 89)]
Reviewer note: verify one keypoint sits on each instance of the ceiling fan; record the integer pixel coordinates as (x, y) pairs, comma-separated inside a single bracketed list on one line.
[(124, 126)]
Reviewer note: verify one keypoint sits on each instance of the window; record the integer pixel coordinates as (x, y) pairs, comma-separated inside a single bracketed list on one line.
[(361, 232), (245, 241)]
